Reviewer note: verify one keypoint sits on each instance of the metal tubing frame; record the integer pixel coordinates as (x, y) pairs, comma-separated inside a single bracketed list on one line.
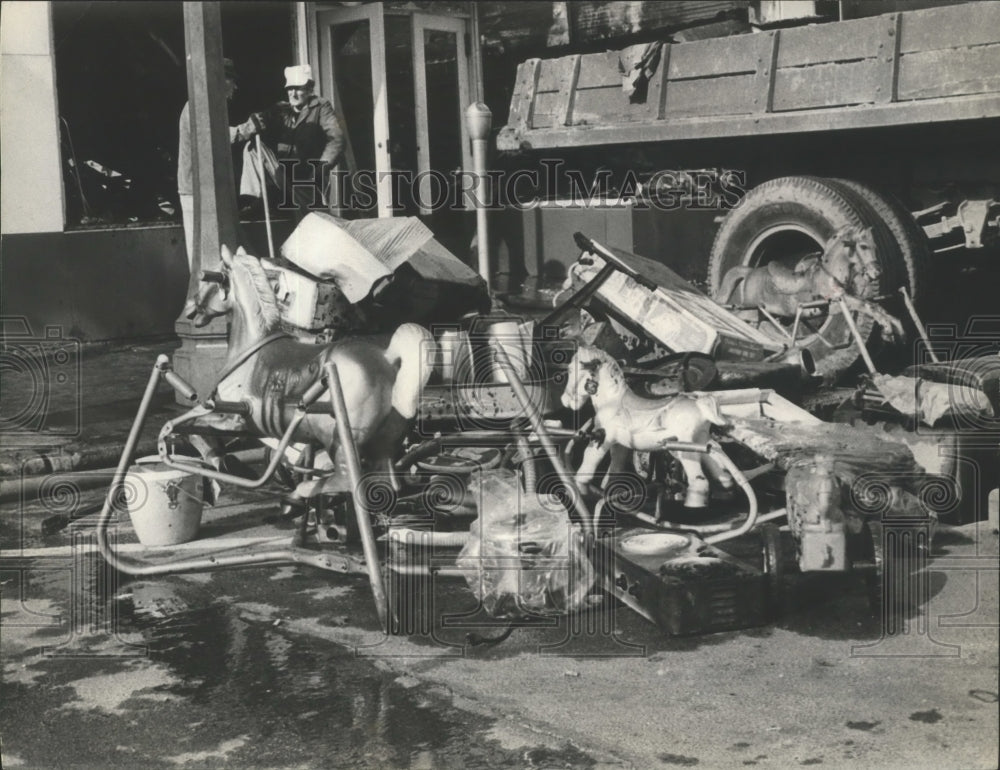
[(350, 450), (715, 450), (865, 355), (228, 478), (921, 330), (487, 438), (294, 554), (543, 435), (263, 193)]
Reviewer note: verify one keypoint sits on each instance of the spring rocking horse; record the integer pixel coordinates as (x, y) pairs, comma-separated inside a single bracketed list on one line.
[(271, 387)]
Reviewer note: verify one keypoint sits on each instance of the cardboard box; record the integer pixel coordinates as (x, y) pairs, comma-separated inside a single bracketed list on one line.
[(306, 302)]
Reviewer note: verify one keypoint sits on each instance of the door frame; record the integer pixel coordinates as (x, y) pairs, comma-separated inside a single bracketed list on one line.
[(460, 27), (313, 22), (324, 20)]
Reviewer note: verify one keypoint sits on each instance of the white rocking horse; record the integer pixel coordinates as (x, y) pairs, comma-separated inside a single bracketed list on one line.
[(644, 424), (270, 371)]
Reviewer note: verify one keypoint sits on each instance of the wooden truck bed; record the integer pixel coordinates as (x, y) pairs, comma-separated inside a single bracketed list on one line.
[(934, 65)]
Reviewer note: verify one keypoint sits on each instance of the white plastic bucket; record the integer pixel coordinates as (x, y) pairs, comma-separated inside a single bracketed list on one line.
[(165, 504)]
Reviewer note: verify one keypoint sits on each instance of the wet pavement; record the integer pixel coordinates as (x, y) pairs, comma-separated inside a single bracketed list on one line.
[(189, 677), (286, 666)]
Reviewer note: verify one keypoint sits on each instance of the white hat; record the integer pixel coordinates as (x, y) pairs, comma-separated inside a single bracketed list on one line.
[(299, 75)]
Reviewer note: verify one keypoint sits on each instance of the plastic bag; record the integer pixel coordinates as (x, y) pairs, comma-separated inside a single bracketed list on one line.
[(523, 556)]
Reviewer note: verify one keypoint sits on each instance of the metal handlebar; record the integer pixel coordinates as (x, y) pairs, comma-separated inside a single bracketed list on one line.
[(589, 244), (182, 386), (242, 408)]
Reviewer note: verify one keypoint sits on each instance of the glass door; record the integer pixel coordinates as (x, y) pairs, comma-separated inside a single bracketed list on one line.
[(352, 76), (400, 80), (441, 85)]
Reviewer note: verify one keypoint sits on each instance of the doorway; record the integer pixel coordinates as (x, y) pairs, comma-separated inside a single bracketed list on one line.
[(400, 79)]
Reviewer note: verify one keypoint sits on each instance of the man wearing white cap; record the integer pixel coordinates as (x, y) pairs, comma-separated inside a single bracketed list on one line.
[(305, 129)]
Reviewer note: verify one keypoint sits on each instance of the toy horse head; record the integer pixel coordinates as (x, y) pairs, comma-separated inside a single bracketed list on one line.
[(240, 285), (592, 374), (850, 258)]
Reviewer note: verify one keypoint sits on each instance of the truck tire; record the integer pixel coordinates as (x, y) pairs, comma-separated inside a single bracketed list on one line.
[(789, 218), (912, 249)]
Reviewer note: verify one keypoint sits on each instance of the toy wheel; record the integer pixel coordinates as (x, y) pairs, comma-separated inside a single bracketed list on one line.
[(774, 570)]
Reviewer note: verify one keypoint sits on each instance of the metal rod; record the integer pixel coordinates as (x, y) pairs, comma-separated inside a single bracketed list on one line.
[(776, 324), (795, 324), (229, 478), (191, 565), (263, 192), (429, 538), (911, 308), (589, 244), (857, 336), (539, 425), (162, 362), (350, 450), (715, 450), (478, 121), (581, 297)]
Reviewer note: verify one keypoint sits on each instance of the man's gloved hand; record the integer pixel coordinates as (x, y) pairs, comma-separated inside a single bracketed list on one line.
[(259, 122)]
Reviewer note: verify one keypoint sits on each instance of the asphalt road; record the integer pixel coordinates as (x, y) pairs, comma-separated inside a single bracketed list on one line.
[(286, 667)]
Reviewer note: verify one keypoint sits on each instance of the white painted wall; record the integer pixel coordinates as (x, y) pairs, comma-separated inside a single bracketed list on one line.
[(31, 189)]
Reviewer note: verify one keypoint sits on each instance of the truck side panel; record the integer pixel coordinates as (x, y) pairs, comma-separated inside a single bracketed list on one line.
[(924, 66)]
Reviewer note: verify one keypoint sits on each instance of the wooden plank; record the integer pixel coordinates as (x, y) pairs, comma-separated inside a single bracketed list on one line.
[(826, 85), (931, 74), (594, 105), (555, 74), (957, 26), (599, 69), (728, 95), (526, 81), (823, 43), (767, 55), (543, 120), (942, 110), (889, 61), (547, 103), (707, 58), (552, 73), (665, 56), (568, 93)]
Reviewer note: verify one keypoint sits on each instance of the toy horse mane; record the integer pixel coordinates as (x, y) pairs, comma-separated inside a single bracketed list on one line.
[(598, 356), (267, 305)]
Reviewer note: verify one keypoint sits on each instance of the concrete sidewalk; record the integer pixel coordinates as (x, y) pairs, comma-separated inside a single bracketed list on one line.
[(70, 407)]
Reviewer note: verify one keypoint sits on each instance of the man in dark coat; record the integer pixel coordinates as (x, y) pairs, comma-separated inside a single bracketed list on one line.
[(307, 130)]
